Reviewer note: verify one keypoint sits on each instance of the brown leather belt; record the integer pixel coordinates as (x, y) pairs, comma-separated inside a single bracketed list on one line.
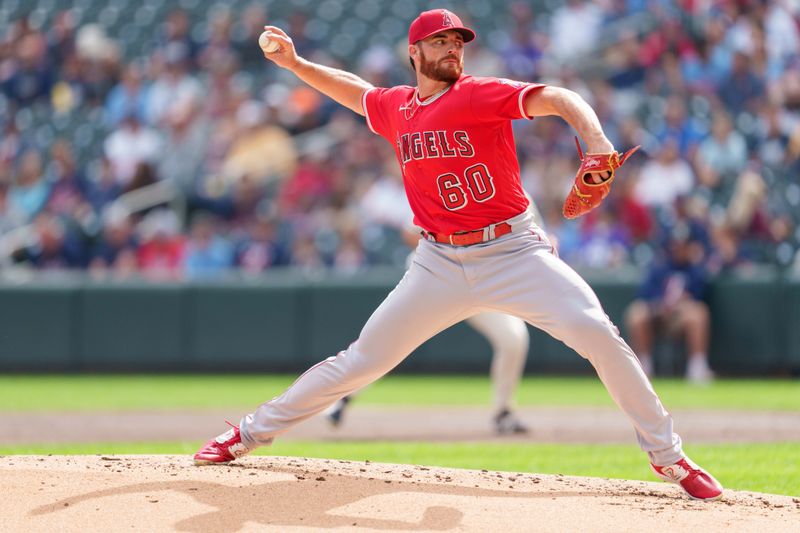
[(468, 238)]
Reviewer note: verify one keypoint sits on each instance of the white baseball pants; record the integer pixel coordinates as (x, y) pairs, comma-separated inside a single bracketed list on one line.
[(516, 274), (509, 339)]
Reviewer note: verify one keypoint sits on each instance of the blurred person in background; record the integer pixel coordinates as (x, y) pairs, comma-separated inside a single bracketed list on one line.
[(218, 48), (236, 202), (225, 91), (246, 32), (261, 247), (634, 216), (261, 149), (781, 36), (11, 216), (670, 302), (567, 44), (173, 82), (27, 77), (308, 185), (677, 124), (728, 257), (624, 59), (102, 187), (305, 44), (305, 256), (66, 180), (161, 252), (30, 190), (690, 210), (130, 144), (749, 191), (524, 51), (187, 133), (773, 134), (247, 197), (696, 68), (144, 175), (743, 88), (53, 248), (11, 146), (68, 193), (100, 58), (764, 229), (69, 92), (115, 249), (130, 96), (349, 257), (487, 62), (208, 254), (603, 242), (722, 155), (664, 177), (177, 28), (61, 37)]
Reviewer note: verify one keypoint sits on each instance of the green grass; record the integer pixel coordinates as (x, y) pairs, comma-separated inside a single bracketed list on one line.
[(771, 468), (119, 393)]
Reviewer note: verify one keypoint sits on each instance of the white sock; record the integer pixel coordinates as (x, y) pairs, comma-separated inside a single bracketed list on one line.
[(697, 369)]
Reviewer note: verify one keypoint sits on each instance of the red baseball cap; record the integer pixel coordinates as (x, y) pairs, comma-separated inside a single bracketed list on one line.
[(434, 21)]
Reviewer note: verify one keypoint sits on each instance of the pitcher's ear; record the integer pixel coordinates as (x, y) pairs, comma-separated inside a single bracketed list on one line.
[(412, 51)]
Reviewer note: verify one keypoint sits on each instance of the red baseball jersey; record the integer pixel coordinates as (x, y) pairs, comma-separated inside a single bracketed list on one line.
[(456, 149)]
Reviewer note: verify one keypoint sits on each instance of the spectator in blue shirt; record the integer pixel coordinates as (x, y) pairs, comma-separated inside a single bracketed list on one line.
[(670, 302), (208, 254)]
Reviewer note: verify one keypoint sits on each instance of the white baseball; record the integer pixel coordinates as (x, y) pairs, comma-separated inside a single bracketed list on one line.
[(268, 45)]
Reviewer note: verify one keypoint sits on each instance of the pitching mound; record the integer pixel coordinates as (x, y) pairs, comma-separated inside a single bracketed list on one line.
[(168, 493)]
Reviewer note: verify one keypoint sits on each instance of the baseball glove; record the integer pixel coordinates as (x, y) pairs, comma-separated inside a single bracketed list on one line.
[(586, 195)]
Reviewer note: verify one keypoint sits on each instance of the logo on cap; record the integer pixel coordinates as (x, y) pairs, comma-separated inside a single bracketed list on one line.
[(446, 20)]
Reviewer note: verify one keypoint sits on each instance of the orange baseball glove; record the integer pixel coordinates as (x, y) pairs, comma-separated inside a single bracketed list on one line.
[(585, 195)]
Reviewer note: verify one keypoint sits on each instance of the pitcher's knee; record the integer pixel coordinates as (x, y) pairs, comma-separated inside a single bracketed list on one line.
[(591, 324), (362, 367), (590, 335), (517, 338)]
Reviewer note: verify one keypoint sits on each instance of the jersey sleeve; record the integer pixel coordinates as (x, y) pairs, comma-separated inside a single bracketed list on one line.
[(500, 98), (377, 105)]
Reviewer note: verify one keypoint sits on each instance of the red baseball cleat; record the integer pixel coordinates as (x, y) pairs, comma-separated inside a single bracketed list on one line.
[(223, 449), (698, 484)]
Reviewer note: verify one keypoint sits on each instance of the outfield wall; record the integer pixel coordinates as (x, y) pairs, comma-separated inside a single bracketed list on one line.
[(286, 322)]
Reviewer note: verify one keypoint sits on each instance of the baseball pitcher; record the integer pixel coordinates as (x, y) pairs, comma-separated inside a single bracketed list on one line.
[(453, 140)]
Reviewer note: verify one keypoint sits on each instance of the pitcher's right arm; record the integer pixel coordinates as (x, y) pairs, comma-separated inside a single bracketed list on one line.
[(344, 87)]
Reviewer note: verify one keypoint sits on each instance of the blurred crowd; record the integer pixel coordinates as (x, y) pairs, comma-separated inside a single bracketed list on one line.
[(258, 171)]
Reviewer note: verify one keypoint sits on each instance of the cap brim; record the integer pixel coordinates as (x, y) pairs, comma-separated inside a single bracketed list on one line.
[(466, 33)]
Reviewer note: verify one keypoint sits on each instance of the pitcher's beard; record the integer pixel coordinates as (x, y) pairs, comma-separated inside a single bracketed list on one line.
[(439, 72)]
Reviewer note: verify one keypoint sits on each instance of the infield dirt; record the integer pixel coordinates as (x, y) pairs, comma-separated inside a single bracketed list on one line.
[(587, 425), (168, 493)]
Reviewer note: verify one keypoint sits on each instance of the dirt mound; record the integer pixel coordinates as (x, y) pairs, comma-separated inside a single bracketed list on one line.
[(167, 493)]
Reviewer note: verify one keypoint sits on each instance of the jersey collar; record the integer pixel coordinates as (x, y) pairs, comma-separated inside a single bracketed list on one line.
[(431, 99)]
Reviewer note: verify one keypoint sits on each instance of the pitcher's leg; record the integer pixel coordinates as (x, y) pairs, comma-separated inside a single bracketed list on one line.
[(418, 308), (552, 296), (508, 336)]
